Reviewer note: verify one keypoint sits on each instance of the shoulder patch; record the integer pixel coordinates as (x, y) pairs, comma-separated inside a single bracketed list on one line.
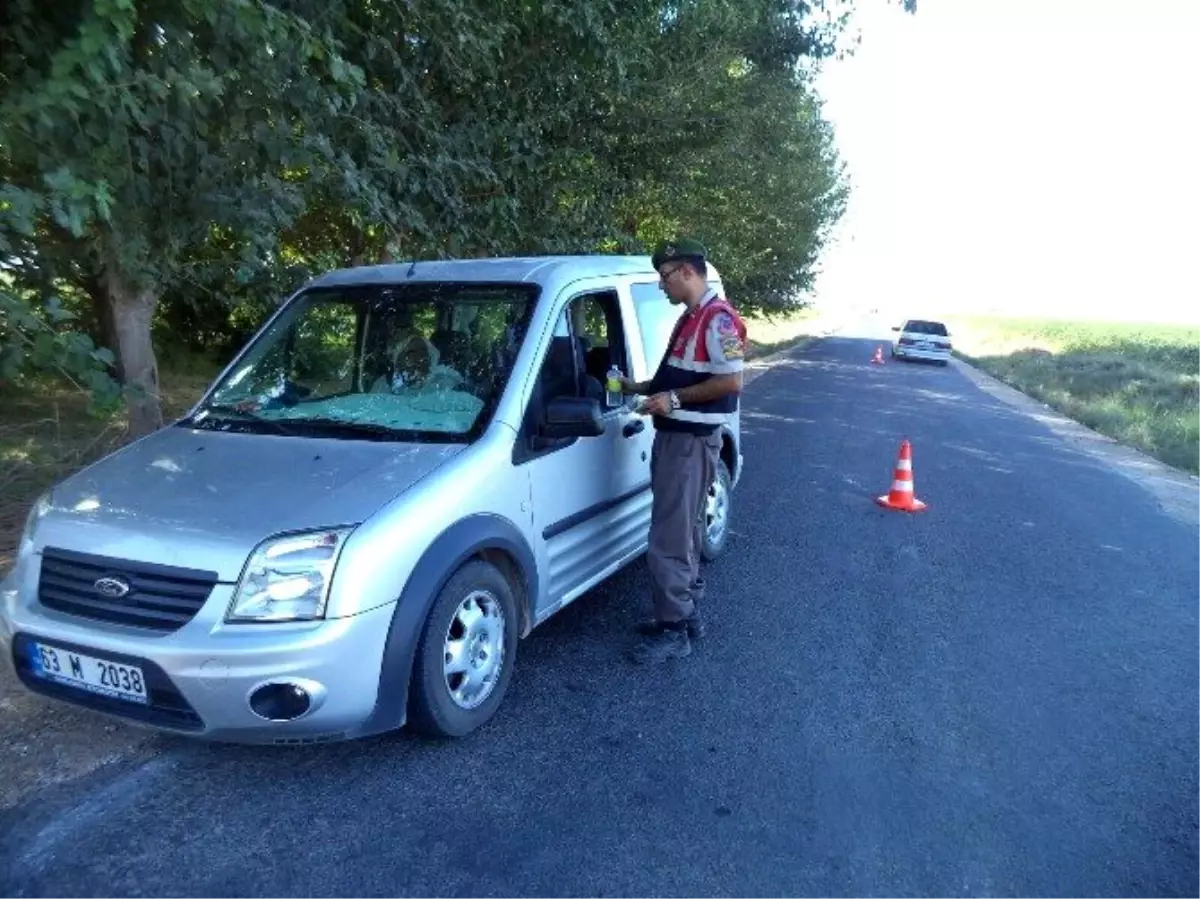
[(728, 337), (725, 324)]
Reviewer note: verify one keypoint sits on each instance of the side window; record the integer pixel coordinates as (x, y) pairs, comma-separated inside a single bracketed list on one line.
[(588, 337), (656, 319), (597, 323), (559, 375)]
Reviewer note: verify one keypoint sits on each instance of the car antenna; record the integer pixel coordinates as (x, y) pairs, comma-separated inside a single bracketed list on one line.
[(412, 268)]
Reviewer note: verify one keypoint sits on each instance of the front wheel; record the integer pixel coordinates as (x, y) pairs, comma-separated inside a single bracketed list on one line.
[(465, 659), (717, 509)]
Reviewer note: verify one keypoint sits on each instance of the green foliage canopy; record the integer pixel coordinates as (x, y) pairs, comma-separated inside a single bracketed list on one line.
[(171, 167)]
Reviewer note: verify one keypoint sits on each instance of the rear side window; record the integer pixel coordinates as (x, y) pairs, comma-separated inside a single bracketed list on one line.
[(656, 317), (917, 326)]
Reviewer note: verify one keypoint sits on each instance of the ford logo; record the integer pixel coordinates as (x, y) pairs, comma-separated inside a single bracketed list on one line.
[(112, 587)]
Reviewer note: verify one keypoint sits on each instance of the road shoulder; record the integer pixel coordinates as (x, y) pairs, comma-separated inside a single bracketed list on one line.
[(1177, 493)]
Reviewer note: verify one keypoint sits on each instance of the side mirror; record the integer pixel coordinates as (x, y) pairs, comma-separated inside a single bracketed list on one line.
[(895, 327), (568, 416)]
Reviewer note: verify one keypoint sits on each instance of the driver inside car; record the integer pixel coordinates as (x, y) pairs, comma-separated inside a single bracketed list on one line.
[(416, 365)]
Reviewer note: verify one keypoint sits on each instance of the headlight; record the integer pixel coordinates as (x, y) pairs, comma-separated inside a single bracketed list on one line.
[(36, 514), (287, 578)]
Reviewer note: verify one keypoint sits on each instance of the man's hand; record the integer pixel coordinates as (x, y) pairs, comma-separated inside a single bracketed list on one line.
[(658, 404)]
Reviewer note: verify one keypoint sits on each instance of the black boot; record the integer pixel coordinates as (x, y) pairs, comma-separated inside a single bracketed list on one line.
[(651, 626), (663, 642)]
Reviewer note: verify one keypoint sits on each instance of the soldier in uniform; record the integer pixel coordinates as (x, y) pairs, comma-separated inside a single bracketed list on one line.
[(693, 392)]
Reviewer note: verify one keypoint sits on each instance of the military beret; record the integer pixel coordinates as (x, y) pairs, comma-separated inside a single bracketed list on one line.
[(677, 249)]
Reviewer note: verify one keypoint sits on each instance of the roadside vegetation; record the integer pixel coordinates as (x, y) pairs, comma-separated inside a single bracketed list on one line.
[(1136, 383), (769, 334)]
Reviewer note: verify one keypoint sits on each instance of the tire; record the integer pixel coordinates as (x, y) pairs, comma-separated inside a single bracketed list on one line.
[(477, 587), (722, 487)]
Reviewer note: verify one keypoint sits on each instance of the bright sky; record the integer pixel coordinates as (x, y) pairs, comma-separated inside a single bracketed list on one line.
[(1031, 156)]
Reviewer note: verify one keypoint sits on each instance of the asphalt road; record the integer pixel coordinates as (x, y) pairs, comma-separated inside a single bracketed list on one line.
[(997, 696)]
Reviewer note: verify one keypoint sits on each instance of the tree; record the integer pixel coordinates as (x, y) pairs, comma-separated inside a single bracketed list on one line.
[(165, 122), (168, 160)]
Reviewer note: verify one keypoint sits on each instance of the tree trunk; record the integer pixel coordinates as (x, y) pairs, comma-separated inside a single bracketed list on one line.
[(132, 315), (104, 329), (358, 248)]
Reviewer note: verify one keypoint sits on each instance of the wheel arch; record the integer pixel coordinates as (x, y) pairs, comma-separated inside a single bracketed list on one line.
[(729, 454), (490, 538)]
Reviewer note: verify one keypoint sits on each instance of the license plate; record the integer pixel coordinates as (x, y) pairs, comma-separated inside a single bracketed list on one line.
[(923, 345), (87, 673)]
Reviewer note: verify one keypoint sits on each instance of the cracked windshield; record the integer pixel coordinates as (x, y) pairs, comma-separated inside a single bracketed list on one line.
[(411, 362)]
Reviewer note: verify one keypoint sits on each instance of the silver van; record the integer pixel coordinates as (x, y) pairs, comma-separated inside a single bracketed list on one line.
[(406, 470)]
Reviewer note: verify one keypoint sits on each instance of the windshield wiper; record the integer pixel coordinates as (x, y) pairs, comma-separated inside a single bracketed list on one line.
[(234, 411), (364, 428), (210, 415)]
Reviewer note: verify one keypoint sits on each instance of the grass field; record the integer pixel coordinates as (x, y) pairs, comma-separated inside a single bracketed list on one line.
[(768, 336), (46, 432), (1136, 383)]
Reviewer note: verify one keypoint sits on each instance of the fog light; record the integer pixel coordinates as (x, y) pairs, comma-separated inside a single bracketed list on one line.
[(280, 702)]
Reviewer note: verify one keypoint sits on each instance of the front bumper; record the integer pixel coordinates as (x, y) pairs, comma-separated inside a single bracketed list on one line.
[(199, 679)]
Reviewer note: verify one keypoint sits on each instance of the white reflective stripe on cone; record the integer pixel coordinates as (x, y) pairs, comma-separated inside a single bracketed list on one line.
[(902, 486), (904, 465)]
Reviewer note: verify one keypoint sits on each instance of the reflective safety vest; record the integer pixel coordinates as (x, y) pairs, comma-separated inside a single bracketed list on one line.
[(686, 362)]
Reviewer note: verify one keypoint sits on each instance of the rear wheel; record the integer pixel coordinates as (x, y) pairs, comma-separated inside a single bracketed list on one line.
[(717, 510), (468, 648)]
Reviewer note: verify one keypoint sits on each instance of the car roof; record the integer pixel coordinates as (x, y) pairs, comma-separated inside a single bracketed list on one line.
[(500, 269)]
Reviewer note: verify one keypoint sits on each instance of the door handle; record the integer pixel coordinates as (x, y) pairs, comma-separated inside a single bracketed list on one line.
[(634, 428)]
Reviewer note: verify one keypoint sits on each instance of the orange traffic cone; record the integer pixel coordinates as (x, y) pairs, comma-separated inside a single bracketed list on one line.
[(877, 359), (901, 495)]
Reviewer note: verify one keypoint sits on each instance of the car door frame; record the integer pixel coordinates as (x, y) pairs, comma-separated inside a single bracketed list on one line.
[(611, 511)]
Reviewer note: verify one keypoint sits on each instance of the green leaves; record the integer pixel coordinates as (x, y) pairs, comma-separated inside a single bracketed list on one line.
[(32, 342), (215, 154)]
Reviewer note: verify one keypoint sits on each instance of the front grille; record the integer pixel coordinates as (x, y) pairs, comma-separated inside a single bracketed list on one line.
[(167, 706), (160, 598)]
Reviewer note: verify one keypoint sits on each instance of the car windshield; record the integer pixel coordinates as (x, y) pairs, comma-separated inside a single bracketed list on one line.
[(917, 326), (415, 362)]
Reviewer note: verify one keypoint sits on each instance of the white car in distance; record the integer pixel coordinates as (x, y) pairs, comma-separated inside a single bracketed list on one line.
[(928, 341)]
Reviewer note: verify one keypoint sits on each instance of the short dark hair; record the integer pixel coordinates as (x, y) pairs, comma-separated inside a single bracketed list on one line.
[(697, 263)]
